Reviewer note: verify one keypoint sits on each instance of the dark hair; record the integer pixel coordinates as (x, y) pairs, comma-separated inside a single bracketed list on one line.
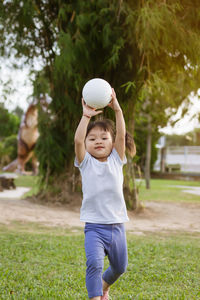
[(108, 125)]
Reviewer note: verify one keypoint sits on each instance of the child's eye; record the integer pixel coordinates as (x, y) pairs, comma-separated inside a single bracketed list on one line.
[(105, 138), (91, 139)]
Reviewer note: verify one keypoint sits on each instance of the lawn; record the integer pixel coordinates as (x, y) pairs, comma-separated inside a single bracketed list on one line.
[(49, 263), (161, 189), (41, 263), (166, 190), (28, 181)]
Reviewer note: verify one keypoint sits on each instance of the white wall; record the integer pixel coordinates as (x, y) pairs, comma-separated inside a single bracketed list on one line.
[(188, 157)]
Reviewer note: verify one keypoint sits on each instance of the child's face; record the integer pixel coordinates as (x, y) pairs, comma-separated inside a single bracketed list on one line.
[(99, 143)]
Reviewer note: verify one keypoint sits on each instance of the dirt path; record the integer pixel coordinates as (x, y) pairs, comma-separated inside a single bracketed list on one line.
[(156, 217)]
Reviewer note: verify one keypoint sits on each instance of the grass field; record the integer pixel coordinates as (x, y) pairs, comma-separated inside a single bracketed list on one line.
[(166, 190), (161, 190), (49, 263), (39, 263), (28, 181)]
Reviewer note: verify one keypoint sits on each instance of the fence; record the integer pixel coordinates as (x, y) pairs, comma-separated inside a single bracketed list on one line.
[(186, 157)]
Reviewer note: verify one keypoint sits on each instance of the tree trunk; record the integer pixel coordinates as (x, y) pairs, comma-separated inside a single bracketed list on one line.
[(130, 188), (148, 153), (135, 200), (162, 159)]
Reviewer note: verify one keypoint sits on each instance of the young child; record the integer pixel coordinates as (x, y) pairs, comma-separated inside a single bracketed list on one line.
[(100, 156)]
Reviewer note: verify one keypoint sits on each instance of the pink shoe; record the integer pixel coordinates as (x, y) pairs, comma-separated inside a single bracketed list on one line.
[(105, 295)]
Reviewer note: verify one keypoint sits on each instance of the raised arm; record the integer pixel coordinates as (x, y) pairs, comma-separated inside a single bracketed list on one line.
[(80, 134), (120, 126)]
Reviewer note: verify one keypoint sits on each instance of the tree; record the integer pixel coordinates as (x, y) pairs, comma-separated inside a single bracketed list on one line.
[(18, 112), (8, 149), (167, 36), (9, 126), (9, 123), (145, 49), (76, 41), (192, 138)]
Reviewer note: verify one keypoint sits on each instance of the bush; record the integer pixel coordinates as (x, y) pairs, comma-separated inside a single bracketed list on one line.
[(10, 143), (9, 123), (8, 150)]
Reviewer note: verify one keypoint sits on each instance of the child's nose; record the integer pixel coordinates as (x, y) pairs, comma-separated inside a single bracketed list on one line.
[(98, 141)]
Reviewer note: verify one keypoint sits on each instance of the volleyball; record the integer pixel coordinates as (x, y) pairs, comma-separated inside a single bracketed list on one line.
[(97, 93)]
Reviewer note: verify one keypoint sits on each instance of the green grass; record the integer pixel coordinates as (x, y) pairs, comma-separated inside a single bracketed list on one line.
[(28, 181), (49, 263), (41, 263), (166, 190), (161, 189)]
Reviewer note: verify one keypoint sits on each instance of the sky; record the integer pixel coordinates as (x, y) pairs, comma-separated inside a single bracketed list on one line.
[(22, 90), (188, 122)]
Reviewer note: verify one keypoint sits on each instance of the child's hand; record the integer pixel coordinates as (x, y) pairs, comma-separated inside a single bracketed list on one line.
[(114, 104), (89, 111)]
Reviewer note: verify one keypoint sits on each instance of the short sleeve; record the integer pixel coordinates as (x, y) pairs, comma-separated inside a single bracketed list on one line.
[(117, 157), (83, 163)]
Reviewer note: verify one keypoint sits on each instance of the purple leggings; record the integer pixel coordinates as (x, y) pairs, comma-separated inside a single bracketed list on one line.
[(102, 240)]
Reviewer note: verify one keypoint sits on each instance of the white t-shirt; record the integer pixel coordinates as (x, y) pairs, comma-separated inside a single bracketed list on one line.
[(102, 186)]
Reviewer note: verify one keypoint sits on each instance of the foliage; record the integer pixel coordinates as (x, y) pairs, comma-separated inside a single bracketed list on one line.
[(67, 76), (169, 68), (42, 263), (9, 126), (8, 150), (10, 145), (9, 123), (3, 156), (148, 50), (190, 139), (18, 112), (61, 34), (140, 138)]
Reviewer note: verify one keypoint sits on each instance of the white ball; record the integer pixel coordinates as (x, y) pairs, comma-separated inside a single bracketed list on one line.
[(97, 93)]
